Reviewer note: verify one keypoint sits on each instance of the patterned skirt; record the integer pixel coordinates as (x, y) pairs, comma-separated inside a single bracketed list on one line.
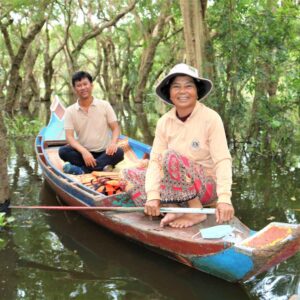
[(181, 180)]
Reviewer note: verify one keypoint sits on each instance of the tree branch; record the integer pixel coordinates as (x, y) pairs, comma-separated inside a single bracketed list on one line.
[(7, 38), (98, 30)]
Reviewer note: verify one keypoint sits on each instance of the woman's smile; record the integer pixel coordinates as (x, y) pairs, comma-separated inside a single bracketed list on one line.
[(183, 94)]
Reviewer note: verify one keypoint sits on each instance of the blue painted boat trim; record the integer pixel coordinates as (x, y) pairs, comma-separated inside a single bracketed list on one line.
[(138, 147), (228, 264), (69, 189), (55, 129)]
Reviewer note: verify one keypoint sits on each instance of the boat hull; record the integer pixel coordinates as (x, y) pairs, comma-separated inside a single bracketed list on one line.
[(235, 258)]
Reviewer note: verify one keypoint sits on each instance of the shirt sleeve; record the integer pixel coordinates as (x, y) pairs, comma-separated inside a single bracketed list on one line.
[(68, 123), (222, 159), (153, 174), (111, 115)]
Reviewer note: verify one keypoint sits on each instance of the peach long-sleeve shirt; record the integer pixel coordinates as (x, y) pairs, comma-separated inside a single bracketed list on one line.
[(200, 138)]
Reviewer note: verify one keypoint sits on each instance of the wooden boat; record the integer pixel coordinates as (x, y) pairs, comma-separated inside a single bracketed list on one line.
[(235, 257), (120, 257)]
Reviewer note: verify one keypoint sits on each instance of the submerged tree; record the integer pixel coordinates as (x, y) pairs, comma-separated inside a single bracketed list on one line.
[(4, 185)]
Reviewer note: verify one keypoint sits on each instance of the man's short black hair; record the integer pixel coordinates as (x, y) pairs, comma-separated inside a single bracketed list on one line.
[(78, 76)]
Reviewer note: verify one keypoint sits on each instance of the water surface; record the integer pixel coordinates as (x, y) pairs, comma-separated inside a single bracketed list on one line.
[(61, 255)]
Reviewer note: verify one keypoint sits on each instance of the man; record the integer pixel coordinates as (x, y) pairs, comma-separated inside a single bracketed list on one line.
[(95, 124)]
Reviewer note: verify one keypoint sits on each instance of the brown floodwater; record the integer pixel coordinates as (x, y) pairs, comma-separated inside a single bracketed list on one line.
[(61, 255)]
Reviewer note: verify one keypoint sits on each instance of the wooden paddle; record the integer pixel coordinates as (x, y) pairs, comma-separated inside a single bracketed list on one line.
[(120, 209)]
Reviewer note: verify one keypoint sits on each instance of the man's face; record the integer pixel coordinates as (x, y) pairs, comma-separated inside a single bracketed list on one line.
[(83, 89)]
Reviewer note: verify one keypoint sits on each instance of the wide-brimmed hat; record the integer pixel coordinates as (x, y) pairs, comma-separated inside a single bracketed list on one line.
[(204, 86)]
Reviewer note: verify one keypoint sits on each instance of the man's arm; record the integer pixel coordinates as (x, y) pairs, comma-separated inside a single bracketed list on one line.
[(88, 158), (112, 147)]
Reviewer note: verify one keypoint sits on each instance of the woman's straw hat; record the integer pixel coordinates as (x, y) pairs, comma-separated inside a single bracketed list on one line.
[(204, 86)]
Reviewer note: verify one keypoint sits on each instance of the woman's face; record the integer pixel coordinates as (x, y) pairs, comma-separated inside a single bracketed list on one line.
[(183, 92)]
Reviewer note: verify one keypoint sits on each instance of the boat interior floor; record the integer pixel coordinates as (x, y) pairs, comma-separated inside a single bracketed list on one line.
[(130, 160), (240, 231)]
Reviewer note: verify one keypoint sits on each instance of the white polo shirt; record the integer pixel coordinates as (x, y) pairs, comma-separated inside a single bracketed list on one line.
[(92, 127)]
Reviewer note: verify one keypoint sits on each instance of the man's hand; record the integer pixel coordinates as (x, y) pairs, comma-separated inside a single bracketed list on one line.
[(88, 158), (111, 149), (224, 212), (152, 208)]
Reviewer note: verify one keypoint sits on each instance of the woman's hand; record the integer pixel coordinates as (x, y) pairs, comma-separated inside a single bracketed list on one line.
[(152, 208), (224, 212)]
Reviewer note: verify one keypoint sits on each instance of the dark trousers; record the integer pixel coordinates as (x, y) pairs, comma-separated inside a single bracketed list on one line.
[(67, 153)]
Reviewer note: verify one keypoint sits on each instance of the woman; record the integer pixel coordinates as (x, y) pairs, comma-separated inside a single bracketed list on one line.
[(190, 164)]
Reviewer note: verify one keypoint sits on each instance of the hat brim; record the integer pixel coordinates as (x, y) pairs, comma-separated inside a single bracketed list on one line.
[(204, 87)]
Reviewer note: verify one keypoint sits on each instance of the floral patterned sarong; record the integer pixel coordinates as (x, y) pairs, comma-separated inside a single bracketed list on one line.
[(182, 180)]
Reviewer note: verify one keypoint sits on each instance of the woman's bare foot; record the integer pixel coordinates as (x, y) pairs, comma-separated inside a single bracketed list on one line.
[(188, 220), (169, 217), (184, 220)]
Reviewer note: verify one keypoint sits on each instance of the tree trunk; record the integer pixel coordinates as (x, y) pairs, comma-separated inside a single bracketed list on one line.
[(110, 75), (14, 85), (149, 52), (260, 97), (195, 32), (4, 186), (30, 91), (48, 71), (266, 83), (143, 124)]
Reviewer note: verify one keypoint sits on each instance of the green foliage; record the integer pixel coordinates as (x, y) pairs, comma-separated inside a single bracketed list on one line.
[(254, 57), (21, 126), (4, 221), (257, 63)]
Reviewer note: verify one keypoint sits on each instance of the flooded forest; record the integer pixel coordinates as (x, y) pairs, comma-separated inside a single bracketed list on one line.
[(250, 50)]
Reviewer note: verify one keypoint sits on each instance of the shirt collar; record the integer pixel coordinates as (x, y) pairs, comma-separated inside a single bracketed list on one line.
[(198, 106), (77, 106)]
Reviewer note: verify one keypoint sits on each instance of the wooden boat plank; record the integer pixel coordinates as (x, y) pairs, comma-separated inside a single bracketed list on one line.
[(52, 153), (190, 234)]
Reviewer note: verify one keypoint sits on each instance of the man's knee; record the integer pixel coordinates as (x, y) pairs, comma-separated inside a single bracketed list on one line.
[(62, 152), (120, 153), (117, 157)]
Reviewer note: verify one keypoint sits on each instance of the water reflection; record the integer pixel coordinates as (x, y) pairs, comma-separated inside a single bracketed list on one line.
[(59, 255), (265, 192), (131, 270)]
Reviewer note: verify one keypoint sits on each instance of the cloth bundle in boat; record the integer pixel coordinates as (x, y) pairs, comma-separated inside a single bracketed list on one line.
[(107, 183), (108, 186), (181, 180)]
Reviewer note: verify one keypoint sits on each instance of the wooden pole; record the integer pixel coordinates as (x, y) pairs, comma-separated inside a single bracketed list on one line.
[(120, 209)]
